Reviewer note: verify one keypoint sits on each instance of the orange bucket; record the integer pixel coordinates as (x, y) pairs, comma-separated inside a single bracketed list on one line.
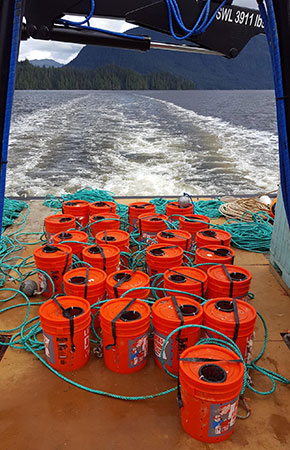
[(72, 235), (173, 211), (228, 281), (79, 209), (66, 332), (192, 224), (106, 257), (219, 314), (150, 224), (160, 257), (100, 207), (216, 254), (103, 222), (186, 279), (54, 260), (209, 391), (138, 208), (125, 324), (181, 238), (86, 282), (58, 223), (120, 282), (165, 318), (118, 238), (212, 237)]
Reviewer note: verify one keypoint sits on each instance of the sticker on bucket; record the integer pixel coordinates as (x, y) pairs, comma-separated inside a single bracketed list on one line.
[(43, 282), (158, 344), (222, 417), (138, 350), (249, 349), (48, 348)]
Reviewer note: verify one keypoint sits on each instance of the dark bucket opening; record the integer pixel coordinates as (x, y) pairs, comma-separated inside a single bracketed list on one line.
[(100, 204), (98, 217), (177, 278), (72, 311), (49, 249), (211, 373), (224, 305), (65, 235), (190, 219), (122, 276), (155, 219), (109, 238), (94, 250), (167, 234), (72, 203), (238, 276), (77, 280), (209, 233), (65, 219), (157, 252), (139, 206), (129, 316), (188, 310), (222, 252)]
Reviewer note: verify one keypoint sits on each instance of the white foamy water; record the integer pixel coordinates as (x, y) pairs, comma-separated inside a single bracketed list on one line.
[(134, 143)]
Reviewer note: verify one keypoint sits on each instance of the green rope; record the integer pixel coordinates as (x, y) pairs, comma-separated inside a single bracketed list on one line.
[(208, 208)]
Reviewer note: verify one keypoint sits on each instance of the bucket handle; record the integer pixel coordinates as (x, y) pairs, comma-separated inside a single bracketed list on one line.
[(109, 346), (71, 323)]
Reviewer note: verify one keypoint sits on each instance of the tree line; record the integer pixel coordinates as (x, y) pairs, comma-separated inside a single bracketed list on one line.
[(109, 77)]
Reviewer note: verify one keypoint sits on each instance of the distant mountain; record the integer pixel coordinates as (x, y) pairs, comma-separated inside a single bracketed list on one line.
[(251, 69), (45, 63)]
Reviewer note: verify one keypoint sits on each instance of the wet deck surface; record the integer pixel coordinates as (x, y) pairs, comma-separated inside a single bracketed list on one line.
[(39, 411)]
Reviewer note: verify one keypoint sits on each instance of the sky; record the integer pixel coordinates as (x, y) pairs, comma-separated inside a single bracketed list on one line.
[(65, 52)]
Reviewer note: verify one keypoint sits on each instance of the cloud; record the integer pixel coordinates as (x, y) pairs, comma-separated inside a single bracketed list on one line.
[(65, 52)]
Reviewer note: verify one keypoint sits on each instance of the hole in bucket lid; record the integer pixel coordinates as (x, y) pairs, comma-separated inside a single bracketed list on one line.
[(100, 204), (139, 206), (98, 217), (72, 203), (155, 219), (77, 280), (209, 233), (49, 249), (238, 276), (122, 276), (224, 305), (188, 310), (212, 373), (65, 219), (109, 238), (222, 252), (129, 316), (157, 252), (167, 234), (177, 278), (72, 311), (65, 235), (94, 250)]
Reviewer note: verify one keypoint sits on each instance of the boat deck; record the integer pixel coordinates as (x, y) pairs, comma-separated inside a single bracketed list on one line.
[(39, 411)]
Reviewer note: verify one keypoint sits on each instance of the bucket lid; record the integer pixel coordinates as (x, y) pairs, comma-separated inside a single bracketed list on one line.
[(75, 204), (137, 314), (112, 237), (101, 216), (239, 275), (221, 312), (162, 253), (52, 314), (163, 309), (52, 253), (59, 219), (211, 372), (193, 219), (71, 235), (215, 252), (128, 279), (174, 207), (173, 235), (140, 206), (81, 276), (152, 221), (185, 276), (95, 252), (102, 206), (213, 235)]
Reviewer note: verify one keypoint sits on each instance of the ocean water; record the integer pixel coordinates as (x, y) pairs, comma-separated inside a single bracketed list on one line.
[(143, 142)]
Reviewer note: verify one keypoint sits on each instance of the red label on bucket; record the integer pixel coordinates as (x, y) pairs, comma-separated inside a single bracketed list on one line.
[(222, 417), (138, 350), (159, 340)]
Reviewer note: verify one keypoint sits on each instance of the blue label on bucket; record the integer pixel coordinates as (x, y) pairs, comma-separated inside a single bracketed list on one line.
[(48, 348), (222, 417), (138, 350), (159, 340)]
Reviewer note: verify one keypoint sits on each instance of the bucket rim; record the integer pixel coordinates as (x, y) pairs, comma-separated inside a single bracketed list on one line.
[(163, 311), (51, 314), (247, 313)]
